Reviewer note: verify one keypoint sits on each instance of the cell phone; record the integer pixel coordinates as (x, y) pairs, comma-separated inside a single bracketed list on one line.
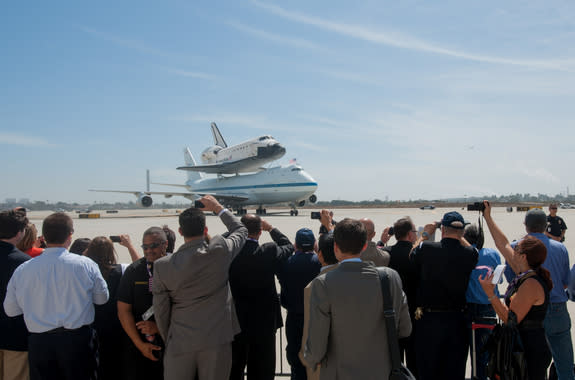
[(390, 232), (497, 273), (315, 215), (198, 204), (148, 313), (115, 239)]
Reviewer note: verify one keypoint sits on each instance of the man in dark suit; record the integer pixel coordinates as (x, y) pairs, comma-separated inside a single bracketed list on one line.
[(252, 280), (347, 333), (13, 331), (192, 298)]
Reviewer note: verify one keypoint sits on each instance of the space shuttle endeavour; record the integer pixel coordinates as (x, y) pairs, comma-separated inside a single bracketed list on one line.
[(248, 156)]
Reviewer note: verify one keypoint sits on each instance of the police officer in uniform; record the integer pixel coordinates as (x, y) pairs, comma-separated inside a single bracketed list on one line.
[(555, 225), (444, 269)]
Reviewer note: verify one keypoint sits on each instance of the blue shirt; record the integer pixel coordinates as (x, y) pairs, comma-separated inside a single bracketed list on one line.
[(557, 263), (56, 289), (475, 294)]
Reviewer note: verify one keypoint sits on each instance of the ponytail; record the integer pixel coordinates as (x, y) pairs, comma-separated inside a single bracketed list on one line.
[(545, 275)]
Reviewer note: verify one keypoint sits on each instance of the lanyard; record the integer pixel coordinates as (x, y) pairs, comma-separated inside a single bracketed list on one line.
[(149, 268), (515, 281)]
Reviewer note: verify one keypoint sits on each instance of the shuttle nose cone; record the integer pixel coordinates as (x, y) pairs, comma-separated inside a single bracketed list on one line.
[(273, 151)]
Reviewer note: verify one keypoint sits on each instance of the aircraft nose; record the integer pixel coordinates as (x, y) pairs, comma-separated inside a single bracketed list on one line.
[(274, 151)]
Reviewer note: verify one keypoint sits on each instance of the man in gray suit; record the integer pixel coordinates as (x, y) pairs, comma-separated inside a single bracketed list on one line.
[(347, 334), (192, 300)]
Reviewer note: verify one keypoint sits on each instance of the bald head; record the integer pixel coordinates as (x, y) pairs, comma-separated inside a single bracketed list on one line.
[(369, 227)]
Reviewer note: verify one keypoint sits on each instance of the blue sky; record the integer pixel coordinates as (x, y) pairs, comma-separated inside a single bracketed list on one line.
[(399, 99)]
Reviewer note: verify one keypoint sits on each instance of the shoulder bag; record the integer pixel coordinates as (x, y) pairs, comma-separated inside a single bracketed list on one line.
[(398, 370)]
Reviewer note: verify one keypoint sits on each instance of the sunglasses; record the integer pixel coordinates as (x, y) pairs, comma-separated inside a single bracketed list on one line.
[(151, 246), (552, 208)]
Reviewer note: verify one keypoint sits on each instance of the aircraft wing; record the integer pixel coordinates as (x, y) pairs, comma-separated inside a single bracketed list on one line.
[(226, 198), (136, 193), (225, 168)]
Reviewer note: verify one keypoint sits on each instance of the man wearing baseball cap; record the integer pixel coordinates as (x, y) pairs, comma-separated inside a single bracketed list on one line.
[(294, 274), (444, 268)]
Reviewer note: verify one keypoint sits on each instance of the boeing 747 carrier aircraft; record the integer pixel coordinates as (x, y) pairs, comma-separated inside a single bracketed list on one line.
[(282, 184)]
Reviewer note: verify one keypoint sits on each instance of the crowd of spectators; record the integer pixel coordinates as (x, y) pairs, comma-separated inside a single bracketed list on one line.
[(210, 308)]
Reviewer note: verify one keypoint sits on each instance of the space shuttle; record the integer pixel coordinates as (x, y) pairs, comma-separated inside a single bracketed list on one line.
[(248, 156)]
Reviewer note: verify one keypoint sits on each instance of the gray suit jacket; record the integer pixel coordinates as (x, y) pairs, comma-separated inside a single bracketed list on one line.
[(193, 305), (376, 255), (347, 332)]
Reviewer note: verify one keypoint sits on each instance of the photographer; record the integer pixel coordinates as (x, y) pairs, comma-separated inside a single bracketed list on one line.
[(479, 309), (372, 252), (444, 269)]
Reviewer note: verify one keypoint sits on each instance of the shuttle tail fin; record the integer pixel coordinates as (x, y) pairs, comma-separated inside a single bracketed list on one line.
[(218, 138), (189, 160)]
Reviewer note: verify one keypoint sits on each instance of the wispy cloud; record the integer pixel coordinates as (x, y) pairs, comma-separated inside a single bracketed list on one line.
[(192, 74), (127, 43), (265, 35), (21, 140), (404, 41)]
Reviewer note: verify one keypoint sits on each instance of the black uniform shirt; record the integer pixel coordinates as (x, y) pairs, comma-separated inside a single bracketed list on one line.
[(444, 268), (555, 225)]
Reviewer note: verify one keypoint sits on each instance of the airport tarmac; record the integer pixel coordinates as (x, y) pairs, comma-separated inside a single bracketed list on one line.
[(134, 222)]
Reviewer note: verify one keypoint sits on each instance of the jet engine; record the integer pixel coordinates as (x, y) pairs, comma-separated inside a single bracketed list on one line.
[(209, 154), (301, 203), (312, 198), (144, 200)]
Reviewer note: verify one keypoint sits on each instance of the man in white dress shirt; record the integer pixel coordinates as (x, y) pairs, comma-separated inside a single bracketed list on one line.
[(56, 293)]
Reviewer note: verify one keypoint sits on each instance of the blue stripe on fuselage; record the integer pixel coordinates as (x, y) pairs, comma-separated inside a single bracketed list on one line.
[(257, 186)]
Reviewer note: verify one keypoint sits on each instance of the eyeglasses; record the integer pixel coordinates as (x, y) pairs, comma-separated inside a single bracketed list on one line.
[(552, 208), (151, 246)]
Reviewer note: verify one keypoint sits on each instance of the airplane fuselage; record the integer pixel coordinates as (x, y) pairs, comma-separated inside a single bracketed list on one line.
[(289, 184)]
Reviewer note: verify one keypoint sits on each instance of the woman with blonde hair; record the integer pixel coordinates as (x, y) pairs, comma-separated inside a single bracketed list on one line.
[(30, 244)]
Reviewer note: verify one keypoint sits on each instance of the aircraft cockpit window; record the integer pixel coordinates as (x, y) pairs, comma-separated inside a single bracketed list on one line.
[(296, 170), (263, 138)]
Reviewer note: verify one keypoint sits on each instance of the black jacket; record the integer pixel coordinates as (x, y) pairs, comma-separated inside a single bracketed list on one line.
[(252, 281), (13, 331)]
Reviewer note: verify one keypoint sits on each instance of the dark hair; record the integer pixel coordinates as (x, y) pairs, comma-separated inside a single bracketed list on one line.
[(402, 227), (29, 238), (157, 231), (350, 236), (80, 245), (253, 223), (474, 235), (101, 250), (57, 228), (192, 222), (12, 222), (170, 237), (325, 246), (536, 253)]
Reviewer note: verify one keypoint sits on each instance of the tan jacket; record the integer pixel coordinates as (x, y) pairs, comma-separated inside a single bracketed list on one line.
[(376, 255)]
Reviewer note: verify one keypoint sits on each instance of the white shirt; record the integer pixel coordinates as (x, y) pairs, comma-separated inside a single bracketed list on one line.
[(56, 289)]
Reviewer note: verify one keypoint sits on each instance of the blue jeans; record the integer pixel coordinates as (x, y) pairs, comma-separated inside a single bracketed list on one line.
[(557, 325), (485, 315)]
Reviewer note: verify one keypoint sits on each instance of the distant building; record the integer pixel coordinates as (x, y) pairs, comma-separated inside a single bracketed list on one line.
[(24, 201), (10, 200)]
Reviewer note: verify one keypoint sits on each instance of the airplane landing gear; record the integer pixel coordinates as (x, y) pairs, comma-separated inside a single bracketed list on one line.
[(260, 211), (293, 212), (241, 211)]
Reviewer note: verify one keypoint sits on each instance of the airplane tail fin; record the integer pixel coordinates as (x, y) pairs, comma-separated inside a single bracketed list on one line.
[(218, 139), (189, 160)]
